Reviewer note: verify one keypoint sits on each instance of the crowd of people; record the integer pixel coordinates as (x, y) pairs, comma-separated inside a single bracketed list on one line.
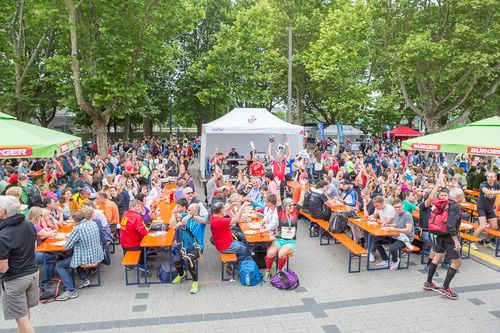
[(115, 197)]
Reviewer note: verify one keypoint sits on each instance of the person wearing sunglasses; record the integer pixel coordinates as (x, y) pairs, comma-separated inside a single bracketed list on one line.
[(286, 233)]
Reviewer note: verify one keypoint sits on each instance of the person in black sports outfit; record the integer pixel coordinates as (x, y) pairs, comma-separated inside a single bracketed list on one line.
[(488, 191), (448, 244)]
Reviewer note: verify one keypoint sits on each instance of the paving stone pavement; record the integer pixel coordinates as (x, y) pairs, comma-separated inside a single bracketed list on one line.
[(328, 300)]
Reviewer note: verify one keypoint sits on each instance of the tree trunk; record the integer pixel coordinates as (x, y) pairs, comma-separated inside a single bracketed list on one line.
[(147, 126), (199, 123), (126, 128), (100, 129), (299, 106)]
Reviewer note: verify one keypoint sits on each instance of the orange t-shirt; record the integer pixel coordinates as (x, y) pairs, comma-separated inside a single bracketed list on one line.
[(296, 193), (111, 212)]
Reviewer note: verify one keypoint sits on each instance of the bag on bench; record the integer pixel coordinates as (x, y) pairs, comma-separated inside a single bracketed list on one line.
[(338, 223)]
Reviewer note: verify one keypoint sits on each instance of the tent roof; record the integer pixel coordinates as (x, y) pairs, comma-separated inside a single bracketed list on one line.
[(479, 138), (348, 130), (250, 120), (20, 139), (405, 131)]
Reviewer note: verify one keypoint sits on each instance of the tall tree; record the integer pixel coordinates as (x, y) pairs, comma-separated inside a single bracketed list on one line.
[(443, 55), (107, 45)]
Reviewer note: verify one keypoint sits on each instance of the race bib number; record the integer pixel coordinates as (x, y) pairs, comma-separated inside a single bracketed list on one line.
[(287, 232), (287, 170)]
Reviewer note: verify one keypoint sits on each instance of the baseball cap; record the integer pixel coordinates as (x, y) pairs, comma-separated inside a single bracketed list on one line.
[(287, 202)]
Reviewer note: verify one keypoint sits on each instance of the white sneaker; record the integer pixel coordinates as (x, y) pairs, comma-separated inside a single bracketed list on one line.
[(394, 266), (474, 247), (372, 257), (383, 263), (409, 245)]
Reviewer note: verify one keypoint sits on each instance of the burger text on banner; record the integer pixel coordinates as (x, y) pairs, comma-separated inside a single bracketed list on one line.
[(16, 151)]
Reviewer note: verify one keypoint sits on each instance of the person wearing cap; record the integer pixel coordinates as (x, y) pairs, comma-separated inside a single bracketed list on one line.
[(286, 233), (75, 182)]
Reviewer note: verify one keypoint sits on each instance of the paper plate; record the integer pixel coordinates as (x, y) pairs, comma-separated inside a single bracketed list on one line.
[(372, 223), (60, 243), (250, 232), (255, 226), (59, 235)]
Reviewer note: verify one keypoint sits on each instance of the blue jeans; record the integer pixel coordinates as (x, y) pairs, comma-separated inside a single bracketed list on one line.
[(64, 271), (48, 260), (238, 248)]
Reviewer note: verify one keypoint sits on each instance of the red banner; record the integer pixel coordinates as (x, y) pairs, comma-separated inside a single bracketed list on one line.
[(64, 148), (16, 151), (426, 146), (76, 143), (483, 151)]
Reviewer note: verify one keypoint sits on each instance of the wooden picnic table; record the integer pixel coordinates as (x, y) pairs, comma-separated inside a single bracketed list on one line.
[(259, 237), (48, 246), (472, 193), (150, 241)]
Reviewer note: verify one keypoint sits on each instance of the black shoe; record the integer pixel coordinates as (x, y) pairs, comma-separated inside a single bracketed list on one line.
[(448, 293)]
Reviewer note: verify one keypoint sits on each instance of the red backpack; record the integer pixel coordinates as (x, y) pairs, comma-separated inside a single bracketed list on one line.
[(439, 217)]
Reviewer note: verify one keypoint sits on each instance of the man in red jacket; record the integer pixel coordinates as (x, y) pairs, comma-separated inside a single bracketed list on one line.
[(133, 230)]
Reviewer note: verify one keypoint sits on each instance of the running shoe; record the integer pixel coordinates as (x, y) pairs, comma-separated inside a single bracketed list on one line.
[(85, 284), (491, 245), (194, 288), (474, 247), (430, 286), (266, 276), (383, 263), (448, 293), (178, 279), (372, 257), (394, 266)]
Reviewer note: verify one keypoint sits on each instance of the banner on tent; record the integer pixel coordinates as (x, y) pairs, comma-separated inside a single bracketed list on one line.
[(425, 146), (76, 143), (64, 148), (321, 130), (16, 151), (483, 151)]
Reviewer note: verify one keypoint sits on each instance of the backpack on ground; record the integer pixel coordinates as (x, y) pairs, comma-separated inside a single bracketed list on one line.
[(249, 273), (285, 280), (439, 217), (163, 272), (50, 289), (338, 223)]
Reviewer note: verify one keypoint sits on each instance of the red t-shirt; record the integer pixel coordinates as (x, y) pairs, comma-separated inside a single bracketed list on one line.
[(132, 230), (279, 170), (256, 169), (222, 235)]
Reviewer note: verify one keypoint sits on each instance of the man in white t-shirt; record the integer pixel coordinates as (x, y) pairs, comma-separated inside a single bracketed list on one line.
[(384, 213)]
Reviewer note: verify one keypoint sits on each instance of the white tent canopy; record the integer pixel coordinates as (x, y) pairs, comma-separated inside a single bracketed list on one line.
[(242, 125), (347, 129)]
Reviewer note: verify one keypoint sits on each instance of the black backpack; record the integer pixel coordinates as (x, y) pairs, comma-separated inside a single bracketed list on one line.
[(338, 223), (50, 289), (34, 197)]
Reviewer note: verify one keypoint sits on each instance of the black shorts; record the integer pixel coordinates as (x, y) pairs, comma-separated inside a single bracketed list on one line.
[(445, 244), (489, 213)]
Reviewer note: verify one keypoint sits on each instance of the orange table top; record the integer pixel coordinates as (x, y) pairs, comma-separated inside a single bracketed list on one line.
[(164, 240), (374, 230), (159, 241), (257, 238), (469, 206), (48, 244), (341, 208)]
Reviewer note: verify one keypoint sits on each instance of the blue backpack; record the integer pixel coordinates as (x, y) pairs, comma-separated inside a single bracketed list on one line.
[(249, 273)]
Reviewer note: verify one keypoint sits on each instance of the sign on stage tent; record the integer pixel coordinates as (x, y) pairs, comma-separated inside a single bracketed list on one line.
[(240, 126)]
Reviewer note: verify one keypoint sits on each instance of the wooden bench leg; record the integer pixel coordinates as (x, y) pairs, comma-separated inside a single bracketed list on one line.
[(400, 253), (351, 256), (322, 236)]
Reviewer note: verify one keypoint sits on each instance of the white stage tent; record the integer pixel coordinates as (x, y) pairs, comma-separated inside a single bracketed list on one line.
[(349, 131), (242, 125)]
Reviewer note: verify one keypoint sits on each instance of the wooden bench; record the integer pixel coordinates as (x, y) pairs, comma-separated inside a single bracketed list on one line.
[(98, 267), (489, 231), (467, 239), (227, 258), (355, 250), (130, 261), (311, 221)]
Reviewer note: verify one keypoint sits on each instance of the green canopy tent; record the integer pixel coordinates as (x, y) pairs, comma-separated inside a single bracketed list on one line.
[(478, 138), (22, 140)]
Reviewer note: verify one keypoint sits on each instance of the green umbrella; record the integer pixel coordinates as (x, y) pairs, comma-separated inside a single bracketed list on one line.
[(479, 138), (22, 140)]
